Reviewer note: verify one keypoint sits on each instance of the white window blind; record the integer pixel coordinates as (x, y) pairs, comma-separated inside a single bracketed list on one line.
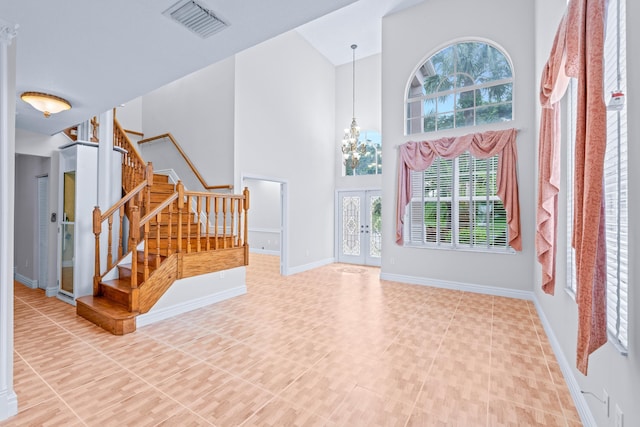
[(454, 204), (615, 180)]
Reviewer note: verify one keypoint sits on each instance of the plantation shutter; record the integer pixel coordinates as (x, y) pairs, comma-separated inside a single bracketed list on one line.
[(416, 207), (615, 177)]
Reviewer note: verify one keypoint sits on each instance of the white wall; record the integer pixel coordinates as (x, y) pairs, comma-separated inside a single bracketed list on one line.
[(285, 130), (367, 109), (129, 115), (410, 37), (608, 369), (198, 110)]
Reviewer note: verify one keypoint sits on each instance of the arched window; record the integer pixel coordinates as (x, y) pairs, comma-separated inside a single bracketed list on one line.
[(454, 203), (465, 84)]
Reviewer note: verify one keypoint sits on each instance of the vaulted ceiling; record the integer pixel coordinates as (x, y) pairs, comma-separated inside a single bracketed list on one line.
[(99, 54)]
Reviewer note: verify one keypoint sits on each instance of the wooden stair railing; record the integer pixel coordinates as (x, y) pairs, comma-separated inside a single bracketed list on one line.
[(182, 233), (140, 194), (133, 166)]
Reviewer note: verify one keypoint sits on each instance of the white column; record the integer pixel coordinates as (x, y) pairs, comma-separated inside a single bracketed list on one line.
[(8, 398), (105, 159)]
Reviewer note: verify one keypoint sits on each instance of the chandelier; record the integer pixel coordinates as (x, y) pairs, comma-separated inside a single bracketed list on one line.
[(351, 151)]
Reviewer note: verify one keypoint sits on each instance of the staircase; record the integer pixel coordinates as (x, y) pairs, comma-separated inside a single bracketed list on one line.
[(173, 234)]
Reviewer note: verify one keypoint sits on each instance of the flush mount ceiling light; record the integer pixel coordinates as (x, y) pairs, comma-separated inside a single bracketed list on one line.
[(195, 17), (48, 104)]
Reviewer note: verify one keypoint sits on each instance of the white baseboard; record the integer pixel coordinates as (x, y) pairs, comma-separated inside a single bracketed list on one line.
[(165, 313), (8, 404), (310, 266), (30, 283), (574, 388), (263, 251), (459, 286), (51, 292)]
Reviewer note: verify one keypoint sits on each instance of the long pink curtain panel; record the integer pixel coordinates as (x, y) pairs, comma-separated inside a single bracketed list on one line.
[(418, 156), (577, 52)]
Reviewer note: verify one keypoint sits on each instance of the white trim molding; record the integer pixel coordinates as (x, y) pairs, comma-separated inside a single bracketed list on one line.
[(165, 313), (8, 398), (30, 283), (310, 266), (574, 388), (459, 286)]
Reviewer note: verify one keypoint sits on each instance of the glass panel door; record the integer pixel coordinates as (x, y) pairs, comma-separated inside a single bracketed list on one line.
[(360, 227), (67, 226)]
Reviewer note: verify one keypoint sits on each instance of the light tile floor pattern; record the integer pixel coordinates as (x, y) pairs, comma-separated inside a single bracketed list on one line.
[(335, 346)]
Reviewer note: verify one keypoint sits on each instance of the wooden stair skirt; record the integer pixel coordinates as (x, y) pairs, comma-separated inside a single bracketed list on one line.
[(114, 308)]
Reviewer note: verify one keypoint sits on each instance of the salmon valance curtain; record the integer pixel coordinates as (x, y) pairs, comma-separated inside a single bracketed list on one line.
[(418, 156), (577, 52)]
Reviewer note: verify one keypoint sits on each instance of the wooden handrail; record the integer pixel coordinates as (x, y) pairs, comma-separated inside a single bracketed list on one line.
[(130, 195), (133, 132), (186, 159), (133, 165), (158, 208)]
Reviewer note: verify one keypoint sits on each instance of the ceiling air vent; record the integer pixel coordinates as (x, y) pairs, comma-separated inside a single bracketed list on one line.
[(196, 18)]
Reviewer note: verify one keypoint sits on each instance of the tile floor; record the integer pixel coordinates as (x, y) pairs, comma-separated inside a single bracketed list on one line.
[(335, 346)]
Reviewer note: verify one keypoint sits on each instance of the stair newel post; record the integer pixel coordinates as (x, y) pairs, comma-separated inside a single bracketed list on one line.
[(149, 178), (134, 238), (97, 229), (180, 189), (245, 193), (216, 210), (208, 210), (198, 231)]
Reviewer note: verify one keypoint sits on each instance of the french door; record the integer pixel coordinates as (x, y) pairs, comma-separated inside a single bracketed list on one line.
[(359, 227)]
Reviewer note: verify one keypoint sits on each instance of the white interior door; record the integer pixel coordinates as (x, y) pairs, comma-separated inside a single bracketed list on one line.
[(359, 227)]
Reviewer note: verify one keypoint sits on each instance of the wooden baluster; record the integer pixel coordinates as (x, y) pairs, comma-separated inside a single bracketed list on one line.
[(120, 231), (149, 178), (169, 230), (233, 220), (224, 222), (109, 242), (190, 220), (97, 229), (158, 222), (180, 189), (245, 193), (146, 252), (199, 222), (216, 210), (238, 229), (134, 238), (208, 209)]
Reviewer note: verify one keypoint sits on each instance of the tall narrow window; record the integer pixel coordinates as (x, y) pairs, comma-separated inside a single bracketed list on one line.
[(615, 180)]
